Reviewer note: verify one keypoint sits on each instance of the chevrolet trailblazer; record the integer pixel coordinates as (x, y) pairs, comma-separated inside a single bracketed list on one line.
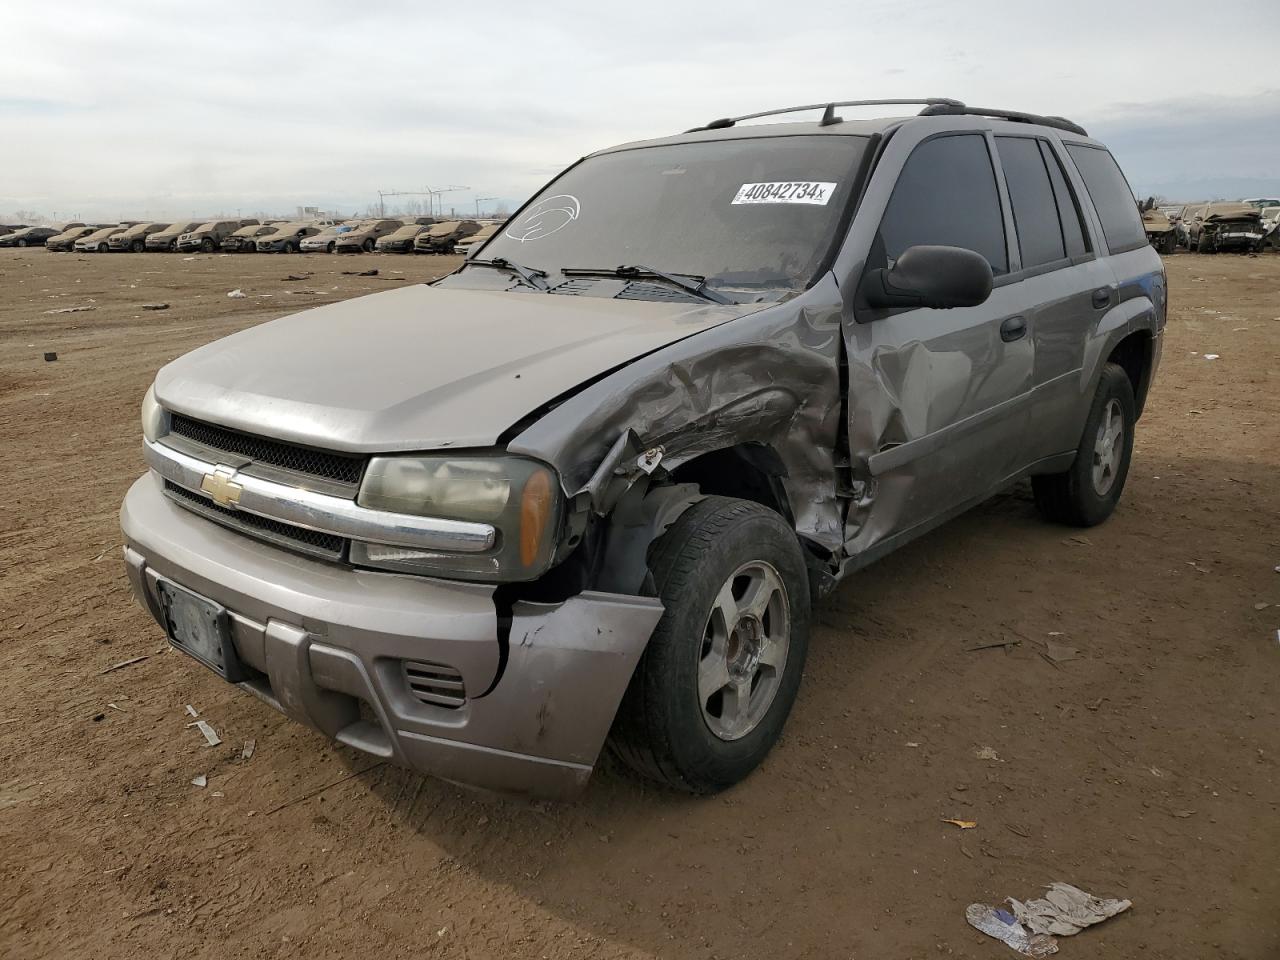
[(586, 489)]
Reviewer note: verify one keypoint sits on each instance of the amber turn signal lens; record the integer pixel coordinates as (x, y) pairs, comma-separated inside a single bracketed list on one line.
[(535, 510)]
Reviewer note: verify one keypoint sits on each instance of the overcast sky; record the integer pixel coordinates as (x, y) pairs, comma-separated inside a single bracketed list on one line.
[(155, 109)]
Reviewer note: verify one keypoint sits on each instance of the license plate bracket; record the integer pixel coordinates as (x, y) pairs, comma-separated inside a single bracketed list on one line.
[(201, 629)]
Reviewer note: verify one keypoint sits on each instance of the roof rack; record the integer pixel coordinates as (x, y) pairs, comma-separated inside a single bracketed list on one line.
[(1017, 116), (933, 107)]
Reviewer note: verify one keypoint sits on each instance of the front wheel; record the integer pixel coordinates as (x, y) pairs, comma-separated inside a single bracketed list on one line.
[(206, 245), (1085, 494), (368, 246), (289, 248), (714, 687), (22, 243)]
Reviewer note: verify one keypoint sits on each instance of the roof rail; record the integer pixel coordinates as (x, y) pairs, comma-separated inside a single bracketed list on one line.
[(1017, 116), (829, 115), (933, 107)]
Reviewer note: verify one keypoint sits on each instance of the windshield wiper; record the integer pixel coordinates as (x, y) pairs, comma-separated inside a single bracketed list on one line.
[(692, 284), (530, 275)]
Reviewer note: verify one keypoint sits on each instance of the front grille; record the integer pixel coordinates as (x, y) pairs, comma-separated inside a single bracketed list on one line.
[(435, 683), (316, 463), (325, 545)]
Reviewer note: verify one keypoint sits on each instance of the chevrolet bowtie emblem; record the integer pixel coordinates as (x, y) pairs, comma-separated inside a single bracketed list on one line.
[(220, 486)]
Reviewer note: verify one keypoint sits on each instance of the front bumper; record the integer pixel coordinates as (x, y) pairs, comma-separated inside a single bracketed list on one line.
[(322, 640), (188, 246)]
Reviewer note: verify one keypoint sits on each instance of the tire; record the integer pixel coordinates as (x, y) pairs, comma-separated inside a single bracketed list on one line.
[(1204, 245), (330, 248), (289, 247), (22, 243), (1085, 494), (674, 726), (206, 245), (1170, 244), (173, 246), (367, 246), (137, 246)]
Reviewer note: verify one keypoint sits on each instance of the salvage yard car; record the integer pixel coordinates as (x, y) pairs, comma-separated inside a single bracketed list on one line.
[(1162, 233), (401, 241), (32, 236), (97, 242), (444, 236), (167, 239), (587, 487), (245, 240), (364, 235), (134, 239), (1224, 227), (208, 237), (64, 241), (325, 240), (476, 240), (287, 237)]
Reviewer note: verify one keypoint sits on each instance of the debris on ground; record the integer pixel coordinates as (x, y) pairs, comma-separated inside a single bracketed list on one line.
[(1002, 925), (360, 273), (293, 276), (209, 734), (192, 711), (237, 294), (986, 753), (1006, 644), (1211, 356), (200, 781), (247, 751), (126, 663), (50, 356), (71, 310), (962, 824), (155, 306), (1066, 910)]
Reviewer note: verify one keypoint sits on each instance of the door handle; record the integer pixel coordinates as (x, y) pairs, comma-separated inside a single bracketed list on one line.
[(1015, 328), (1102, 297)]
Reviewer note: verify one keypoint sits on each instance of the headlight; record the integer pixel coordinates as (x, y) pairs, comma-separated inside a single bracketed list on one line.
[(519, 498), (152, 416)]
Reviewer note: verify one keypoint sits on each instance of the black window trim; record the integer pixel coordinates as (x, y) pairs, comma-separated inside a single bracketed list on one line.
[(1137, 244), (1006, 214), (1027, 273)]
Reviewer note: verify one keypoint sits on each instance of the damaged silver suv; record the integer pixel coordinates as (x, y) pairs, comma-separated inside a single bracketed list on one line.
[(586, 489)]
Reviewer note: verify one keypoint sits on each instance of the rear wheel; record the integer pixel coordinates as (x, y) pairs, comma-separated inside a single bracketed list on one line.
[(289, 247), (1204, 245), (1085, 494), (330, 247), (714, 687), (137, 246)]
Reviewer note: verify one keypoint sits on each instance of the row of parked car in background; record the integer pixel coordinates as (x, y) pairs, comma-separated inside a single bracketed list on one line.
[(1241, 226), (405, 235)]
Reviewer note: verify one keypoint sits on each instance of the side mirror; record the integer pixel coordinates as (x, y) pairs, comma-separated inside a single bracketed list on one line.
[(931, 276)]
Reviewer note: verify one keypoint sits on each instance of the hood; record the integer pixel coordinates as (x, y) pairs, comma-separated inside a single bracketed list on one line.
[(419, 368)]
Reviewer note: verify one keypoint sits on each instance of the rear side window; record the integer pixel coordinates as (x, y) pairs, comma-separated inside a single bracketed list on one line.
[(946, 195), (1112, 198), (1073, 231), (1035, 211)]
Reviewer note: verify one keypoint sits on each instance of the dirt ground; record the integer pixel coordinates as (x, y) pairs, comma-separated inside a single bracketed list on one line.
[(1146, 768)]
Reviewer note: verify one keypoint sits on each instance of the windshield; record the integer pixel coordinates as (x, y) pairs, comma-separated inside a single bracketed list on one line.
[(753, 213)]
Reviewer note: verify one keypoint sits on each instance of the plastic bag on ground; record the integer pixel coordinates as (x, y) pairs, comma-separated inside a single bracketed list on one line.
[(1066, 910), (1002, 925)]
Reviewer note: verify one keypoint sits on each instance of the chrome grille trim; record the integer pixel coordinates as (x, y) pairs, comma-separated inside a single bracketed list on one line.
[(322, 512)]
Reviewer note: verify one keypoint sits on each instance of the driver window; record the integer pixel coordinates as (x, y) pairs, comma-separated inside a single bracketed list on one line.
[(946, 195)]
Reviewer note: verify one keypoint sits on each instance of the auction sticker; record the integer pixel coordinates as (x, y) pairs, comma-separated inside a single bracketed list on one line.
[(786, 191)]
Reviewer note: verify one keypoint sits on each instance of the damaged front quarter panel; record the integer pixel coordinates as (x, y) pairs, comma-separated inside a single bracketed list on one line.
[(771, 378)]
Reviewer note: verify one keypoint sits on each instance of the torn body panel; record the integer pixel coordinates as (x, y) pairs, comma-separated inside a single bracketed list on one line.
[(771, 378)]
